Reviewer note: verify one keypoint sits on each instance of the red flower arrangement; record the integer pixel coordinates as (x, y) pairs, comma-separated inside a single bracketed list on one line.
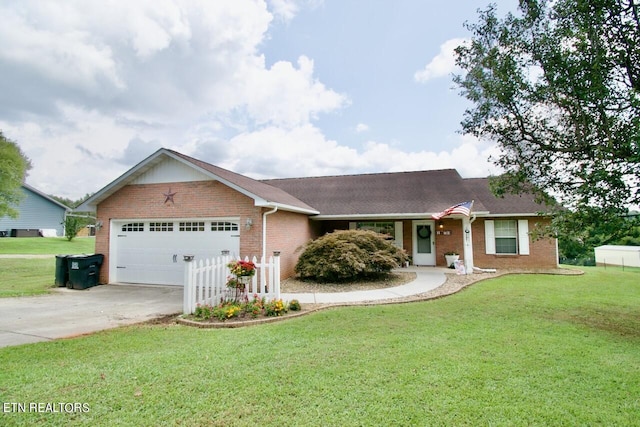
[(242, 268)]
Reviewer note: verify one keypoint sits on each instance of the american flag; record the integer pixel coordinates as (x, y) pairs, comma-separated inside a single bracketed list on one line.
[(463, 208)]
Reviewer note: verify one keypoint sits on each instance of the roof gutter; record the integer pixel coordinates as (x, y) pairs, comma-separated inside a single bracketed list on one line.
[(264, 231), (266, 204), (416, 215)]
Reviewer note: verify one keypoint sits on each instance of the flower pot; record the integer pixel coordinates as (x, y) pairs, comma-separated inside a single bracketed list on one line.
[(245, 280), (451, 259)]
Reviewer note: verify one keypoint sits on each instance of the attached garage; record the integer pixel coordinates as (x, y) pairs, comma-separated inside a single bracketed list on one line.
[(171, 205), (152, 251)]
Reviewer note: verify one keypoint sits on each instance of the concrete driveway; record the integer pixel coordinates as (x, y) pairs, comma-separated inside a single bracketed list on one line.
[(67, 313)]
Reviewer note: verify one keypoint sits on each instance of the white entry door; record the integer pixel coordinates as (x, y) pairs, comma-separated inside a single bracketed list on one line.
[(424, 243)]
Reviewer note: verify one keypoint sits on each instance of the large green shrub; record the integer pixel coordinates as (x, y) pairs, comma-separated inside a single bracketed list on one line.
[(348, 255)]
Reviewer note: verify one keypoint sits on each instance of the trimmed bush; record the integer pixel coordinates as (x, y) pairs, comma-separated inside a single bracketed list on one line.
[(348, 255)]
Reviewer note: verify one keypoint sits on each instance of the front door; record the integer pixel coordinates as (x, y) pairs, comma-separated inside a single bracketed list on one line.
[(424, 243)]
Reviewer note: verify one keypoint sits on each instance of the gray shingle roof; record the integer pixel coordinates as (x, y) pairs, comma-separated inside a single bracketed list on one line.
[(402, 193), (509, 204), (420, 192)]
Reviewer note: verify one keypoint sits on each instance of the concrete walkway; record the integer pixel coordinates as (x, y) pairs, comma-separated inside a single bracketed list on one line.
[(428, 278)]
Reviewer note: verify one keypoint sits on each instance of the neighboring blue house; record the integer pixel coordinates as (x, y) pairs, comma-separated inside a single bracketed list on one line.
[(39, 214)]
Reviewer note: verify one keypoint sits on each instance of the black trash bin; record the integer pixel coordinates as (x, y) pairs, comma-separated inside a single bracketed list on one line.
[(84, 270), (62, 270)]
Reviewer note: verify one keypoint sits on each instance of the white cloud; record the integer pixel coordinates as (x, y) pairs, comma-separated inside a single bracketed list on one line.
[(469, 157), (442, 64), (75, 156), (284, 9), (90, 88), (275, 152), (87, 85), (67, 57), (361, 127), (288, 96)]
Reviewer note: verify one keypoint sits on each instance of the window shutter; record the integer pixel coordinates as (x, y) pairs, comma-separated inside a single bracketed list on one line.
[(398, 234), (489, 237), (523, 236)]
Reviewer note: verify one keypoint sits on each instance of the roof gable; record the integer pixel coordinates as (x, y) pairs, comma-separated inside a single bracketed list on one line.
[(44, 196), (151, 170), (168, 171)]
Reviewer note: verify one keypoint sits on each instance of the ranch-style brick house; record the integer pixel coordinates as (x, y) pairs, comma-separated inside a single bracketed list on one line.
[(171, 205)]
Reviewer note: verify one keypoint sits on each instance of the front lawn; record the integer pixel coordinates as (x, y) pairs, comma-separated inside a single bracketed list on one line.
[(517, 350)]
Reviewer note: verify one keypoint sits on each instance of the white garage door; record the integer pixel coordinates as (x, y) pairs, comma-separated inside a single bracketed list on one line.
[(152, 252)]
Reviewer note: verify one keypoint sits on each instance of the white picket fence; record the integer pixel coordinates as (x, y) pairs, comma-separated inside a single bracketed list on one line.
[(205, 281)]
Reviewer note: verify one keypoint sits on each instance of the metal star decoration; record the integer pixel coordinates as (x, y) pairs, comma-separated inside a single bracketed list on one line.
[(169, 196)]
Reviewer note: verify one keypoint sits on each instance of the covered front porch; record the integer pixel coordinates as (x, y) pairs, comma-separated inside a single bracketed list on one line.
[(425, 240)]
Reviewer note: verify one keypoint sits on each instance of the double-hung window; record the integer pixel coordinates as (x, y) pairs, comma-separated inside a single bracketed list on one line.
[(506, 237)]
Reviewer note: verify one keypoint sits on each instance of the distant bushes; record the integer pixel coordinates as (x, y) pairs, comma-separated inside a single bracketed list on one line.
[(585, 261), (348, 255)]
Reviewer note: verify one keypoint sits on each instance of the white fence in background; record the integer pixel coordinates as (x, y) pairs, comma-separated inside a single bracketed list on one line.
[(205, 281)]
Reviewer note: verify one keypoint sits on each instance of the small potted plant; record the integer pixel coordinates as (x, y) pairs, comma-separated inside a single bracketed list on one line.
[(242, 272), (451, 257)]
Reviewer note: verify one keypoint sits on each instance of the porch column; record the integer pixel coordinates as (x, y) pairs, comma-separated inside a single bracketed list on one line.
[(468, 245)]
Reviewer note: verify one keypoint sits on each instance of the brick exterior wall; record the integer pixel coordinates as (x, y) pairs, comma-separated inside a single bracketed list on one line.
[(287, 232), (543, 252)]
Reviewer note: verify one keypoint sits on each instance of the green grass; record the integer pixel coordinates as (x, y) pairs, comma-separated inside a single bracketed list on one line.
[(24, 276), (517, 350), (46, 246)]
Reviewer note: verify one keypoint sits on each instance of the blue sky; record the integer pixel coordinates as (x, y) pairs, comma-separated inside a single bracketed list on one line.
[(371, 54), (270, 89)]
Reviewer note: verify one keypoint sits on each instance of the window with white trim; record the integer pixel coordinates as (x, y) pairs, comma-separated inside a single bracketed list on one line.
[(133, 226), (191, 226), (506, 236), (161, 226), (223, 226)]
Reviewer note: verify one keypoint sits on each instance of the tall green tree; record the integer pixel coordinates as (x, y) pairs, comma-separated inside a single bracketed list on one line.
[(557, 86), (13, 170)]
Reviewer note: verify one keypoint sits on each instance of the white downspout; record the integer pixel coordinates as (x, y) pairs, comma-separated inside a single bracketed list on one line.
[(264, 231)]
